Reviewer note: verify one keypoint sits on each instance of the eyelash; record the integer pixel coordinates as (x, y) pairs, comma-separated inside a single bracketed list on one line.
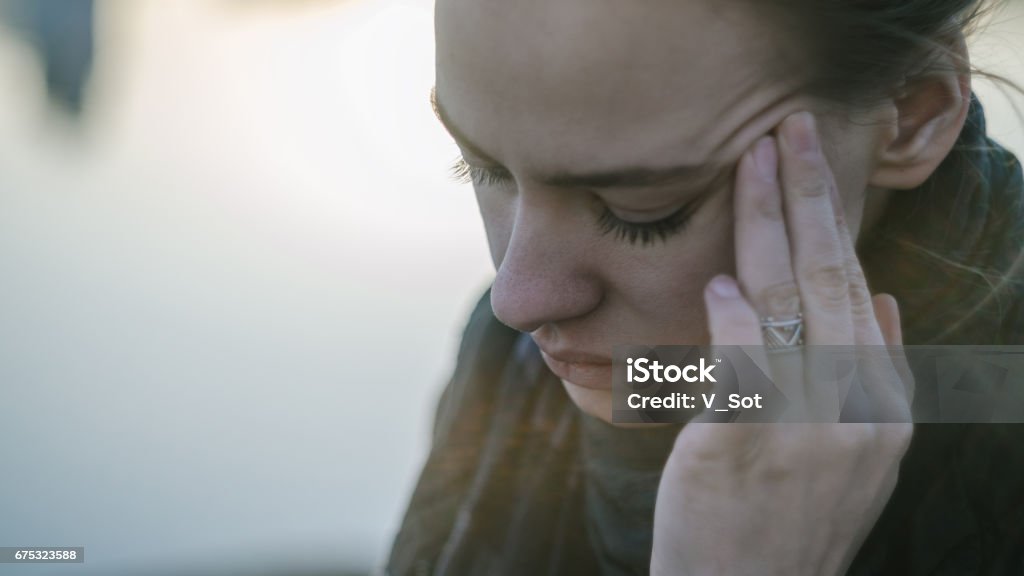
[(463, 173), (646, 232), (643, 232)]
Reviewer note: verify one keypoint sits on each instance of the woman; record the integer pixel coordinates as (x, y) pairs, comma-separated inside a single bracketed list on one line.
[(674, 172)]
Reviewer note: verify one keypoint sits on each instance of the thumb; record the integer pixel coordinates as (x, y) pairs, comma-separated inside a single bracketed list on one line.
[(731, 319)]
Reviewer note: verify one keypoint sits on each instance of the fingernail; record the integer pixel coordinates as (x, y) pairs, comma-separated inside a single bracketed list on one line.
[(766, 158), (724, 286), (801, 134)]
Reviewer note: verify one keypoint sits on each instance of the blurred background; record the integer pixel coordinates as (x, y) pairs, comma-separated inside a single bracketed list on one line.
[(220, 220)]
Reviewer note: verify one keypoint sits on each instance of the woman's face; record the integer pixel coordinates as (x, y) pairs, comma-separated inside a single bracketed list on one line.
[(603, 136)]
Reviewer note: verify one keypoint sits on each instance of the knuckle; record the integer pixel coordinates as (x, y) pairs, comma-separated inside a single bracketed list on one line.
[(775, 472), (828, 283), (769, 207), (778, 299), (896, 437), (841, 227), (811, 184), (860, 296)]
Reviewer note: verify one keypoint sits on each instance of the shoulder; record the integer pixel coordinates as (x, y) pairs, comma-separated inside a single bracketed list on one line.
[(484, 350), (496, 489), (460, 424)]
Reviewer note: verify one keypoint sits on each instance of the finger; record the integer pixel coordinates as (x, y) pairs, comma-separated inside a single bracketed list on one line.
[(862, 311), (868, 397), (731, 319), (882, 383), (763, 264), (883, 386), (888, 313), (731, 322), (814, 241)]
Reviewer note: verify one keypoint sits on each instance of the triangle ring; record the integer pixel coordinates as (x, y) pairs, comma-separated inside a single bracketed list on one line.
[(783, 335)]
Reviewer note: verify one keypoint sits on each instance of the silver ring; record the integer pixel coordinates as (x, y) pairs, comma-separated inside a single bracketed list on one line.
[(783, 335)]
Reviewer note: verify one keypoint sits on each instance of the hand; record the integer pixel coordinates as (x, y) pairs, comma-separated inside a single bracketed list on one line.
[(788, 498)]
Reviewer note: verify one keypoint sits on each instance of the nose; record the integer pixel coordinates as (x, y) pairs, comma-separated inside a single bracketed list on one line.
[(545, 275)]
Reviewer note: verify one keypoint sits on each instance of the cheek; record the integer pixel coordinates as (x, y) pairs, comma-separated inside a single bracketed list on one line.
[(651, 294)]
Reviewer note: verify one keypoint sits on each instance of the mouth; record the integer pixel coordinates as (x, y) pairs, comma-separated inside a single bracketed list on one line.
[(582, 369)]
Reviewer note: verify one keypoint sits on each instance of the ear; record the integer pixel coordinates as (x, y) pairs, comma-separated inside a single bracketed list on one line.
[(930, 112)]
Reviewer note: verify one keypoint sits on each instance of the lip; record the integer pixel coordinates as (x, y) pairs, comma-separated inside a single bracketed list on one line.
[(580, 368)]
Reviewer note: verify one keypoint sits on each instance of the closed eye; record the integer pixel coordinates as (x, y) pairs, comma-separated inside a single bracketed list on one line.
[(464, 173), (645, 233)]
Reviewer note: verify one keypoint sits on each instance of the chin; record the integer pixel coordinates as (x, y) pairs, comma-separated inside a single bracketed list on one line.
[(597, 403)]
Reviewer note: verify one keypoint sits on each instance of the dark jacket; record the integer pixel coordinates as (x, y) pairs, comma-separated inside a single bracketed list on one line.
[(520, 481)]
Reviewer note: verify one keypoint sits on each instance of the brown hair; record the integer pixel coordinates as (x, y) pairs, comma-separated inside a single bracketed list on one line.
[(860, 53)]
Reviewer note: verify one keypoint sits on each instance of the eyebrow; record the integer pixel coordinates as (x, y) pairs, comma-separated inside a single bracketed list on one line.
[(627, 177)]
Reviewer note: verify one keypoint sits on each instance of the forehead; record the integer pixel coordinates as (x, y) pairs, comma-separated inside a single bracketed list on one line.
[(564, 83)]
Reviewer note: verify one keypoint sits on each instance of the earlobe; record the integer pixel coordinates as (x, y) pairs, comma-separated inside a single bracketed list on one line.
[(929, 114)]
